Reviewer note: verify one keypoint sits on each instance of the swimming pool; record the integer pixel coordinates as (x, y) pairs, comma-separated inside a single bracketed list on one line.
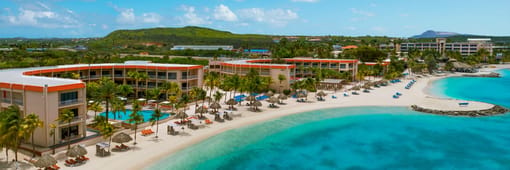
[(120, 115)]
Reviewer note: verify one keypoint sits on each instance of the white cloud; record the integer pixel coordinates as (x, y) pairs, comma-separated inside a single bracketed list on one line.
[(153, 18), (305, 0), (44, 18), (277, 17), (126, 16), (191, 17), (361, 12), (224, 13)]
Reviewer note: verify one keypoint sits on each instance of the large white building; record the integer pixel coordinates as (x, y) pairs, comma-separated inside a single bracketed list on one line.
[(203, 47), (464, 48)]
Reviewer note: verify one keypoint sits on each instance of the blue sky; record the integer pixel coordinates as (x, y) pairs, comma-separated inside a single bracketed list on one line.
[(396, 18)]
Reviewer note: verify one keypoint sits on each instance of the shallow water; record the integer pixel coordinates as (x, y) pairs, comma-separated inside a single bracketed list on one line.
[(364, 138)]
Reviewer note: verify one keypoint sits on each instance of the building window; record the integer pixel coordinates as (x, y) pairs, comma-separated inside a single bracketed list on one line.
[(184, 75), (172, 76), (68, 98), (69, 132)]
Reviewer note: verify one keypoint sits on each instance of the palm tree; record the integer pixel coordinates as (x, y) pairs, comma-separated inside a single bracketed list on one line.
[(135, 117), (194, 94), (124, 90), (153, 93), (96, 107), (217, 96), (107, 92), (11, 128), (30, 123), (53, 134), (117, 106), (211, 81), (107, 132), (137, 76), (281, 78), (155, 119), (67, 115)]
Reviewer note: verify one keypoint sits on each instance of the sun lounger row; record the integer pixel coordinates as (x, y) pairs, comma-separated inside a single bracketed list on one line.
[(410, 84), (75, 162), (147, 132)]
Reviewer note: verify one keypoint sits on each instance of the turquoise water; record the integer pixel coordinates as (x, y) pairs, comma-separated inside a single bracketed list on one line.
[(363, 138), (491, 90), (147, 115)]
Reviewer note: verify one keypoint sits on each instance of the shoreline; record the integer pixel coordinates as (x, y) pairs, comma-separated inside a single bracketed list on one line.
[(149, 150)]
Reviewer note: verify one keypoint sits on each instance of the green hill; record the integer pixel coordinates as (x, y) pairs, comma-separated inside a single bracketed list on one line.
[(186, 36)]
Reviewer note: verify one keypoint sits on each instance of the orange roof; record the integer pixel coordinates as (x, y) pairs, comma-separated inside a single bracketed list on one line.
[(349, 47)]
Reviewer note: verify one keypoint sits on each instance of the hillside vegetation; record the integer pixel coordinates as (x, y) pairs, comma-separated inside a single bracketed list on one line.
[(186, 36)]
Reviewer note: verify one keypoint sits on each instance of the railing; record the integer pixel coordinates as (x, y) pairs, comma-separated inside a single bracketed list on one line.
[(17, 101), (6, 100), (75, 119), (84, 77), (119, 75), (161, 77), (69, 102), (152, 76), (193, 77), (94, 76), (184, 77)]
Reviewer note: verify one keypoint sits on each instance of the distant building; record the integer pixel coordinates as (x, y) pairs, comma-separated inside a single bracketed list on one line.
[(257, 51), (464, 48), (36, 49), (6, 49), (203, 47)]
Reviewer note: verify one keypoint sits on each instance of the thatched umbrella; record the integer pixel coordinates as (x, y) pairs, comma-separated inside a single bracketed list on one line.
[(269, 93), (215, 106), (231, 103), (76, 150), (201, 110), (181, 115), (121, 138), (251, 98), (257, 104), (282, 97), (302, 95), (273, 100), (356, 88), (45, 161), (321, 94)]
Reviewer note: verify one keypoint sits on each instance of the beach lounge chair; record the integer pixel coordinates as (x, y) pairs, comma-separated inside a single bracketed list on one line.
[(147, 132), (463, 104), (70, 162), (55, 167), (346, 95), (355, 93), (208, 121)]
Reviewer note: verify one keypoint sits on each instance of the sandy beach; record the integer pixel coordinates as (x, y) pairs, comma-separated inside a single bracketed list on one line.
[(150, 150)]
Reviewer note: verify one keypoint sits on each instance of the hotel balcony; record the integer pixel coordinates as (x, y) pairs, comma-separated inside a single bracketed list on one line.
[(69, 102), (76, 120), (17, 102)]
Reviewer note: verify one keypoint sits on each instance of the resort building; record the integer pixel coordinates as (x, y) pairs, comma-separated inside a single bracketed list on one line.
[(464, 48), (291, 68), (203, 47), (41, 91)]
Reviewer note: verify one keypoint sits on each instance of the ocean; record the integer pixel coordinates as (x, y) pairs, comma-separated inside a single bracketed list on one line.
[(366, 137)]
